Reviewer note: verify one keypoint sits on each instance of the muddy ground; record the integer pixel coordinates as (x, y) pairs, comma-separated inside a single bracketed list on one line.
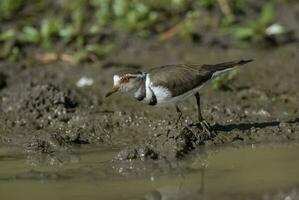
[(43, 111)]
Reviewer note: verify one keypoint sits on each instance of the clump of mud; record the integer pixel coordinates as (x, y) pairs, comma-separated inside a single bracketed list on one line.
[(171, 145), (39, 104), (36, 106), (43, 111)]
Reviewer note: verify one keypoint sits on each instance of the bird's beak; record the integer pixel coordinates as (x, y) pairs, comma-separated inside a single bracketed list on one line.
[(114, 89)]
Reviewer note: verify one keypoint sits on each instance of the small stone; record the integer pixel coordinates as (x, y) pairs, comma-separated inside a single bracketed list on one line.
[(84, 81)]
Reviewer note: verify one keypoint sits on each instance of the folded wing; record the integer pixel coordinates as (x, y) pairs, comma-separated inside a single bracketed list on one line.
[(182, 78)]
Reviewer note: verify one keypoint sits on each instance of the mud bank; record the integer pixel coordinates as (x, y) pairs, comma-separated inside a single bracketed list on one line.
[(43, 110)]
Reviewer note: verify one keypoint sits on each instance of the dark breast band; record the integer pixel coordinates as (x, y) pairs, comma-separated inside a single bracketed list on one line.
[(153, 100)]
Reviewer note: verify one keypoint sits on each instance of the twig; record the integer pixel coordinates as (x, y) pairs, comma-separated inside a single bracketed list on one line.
[(171, 32)]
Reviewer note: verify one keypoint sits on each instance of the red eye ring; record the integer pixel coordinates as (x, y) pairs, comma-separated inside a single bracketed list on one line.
[(125, 80)]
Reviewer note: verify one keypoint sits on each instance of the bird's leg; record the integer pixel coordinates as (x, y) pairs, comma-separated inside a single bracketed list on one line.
[(179, 112), (204, 124)]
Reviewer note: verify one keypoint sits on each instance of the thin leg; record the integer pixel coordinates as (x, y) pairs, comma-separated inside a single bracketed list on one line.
[(178, 110), (197, 96), (204, 124)]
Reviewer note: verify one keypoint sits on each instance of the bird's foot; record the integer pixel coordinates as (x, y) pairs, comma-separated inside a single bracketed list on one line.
[(207, 128), (223, 138)]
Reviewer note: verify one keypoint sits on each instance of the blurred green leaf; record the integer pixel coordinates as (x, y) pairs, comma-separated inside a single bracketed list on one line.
[(7, 7), (67, 31), (29, 34), (244, 33), (120, 7), (142, 9), (78, 20), (267, 14), (239, 6), (208, 4), (224, 80), (99, 50), (49, 27), (8, 35)]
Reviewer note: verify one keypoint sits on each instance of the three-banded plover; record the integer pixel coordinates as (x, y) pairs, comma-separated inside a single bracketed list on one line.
[(171, 84)]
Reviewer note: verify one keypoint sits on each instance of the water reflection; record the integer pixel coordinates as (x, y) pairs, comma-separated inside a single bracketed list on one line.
[(254, 172), (180, 192)]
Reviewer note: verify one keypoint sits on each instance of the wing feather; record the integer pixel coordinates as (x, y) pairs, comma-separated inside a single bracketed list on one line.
[(182, 78), (179, 78)]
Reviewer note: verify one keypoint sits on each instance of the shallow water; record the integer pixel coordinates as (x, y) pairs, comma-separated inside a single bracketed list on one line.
[(222, 173)]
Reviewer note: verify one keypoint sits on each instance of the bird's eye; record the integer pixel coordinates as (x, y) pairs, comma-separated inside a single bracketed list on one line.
[(125, 80)]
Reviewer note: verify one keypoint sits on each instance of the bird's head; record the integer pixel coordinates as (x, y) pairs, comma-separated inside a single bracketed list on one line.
[(127, 82)]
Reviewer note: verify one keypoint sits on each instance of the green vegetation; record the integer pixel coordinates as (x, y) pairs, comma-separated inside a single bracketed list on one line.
[(75, 26), (9, 7), (255, 30), (223, 81)]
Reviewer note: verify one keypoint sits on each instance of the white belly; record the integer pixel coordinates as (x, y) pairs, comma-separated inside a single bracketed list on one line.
[(162, 94), (165, 97)]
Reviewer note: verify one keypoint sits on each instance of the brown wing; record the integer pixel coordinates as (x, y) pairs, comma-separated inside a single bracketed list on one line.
[(179, 78), (182, 78)]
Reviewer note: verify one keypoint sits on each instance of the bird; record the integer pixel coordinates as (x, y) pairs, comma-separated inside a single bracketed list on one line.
[(171, 84)]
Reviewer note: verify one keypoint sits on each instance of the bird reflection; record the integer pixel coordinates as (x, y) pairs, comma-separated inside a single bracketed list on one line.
[(179, 193)]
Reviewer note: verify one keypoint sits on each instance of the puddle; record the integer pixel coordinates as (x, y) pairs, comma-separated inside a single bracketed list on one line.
[(222, 173)]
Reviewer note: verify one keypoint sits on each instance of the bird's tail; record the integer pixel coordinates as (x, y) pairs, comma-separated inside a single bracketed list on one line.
[(218, 69)]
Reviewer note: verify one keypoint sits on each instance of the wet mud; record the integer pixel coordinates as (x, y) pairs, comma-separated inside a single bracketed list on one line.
[(43, 110)]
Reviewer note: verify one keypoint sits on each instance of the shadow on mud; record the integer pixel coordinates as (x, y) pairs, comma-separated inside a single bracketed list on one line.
[(248, 126)]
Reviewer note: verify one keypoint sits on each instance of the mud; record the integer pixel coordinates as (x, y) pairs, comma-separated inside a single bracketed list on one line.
[(44, 112), (42, 109)]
